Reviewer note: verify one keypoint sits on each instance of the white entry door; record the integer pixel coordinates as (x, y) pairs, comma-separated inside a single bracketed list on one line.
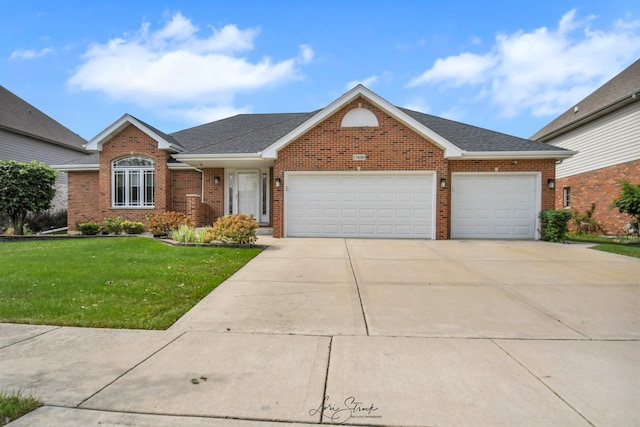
[(247, 196)]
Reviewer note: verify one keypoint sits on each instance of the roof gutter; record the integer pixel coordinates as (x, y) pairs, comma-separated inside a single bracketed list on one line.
[(615, 105), (76, 168), (500, 155)]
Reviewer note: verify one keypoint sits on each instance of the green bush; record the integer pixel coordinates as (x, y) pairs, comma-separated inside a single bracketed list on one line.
[(113, 225), (187, 234), (47, 220), (162, 224), (238, 229), (89, 228), (585, 222), (555, 224), (132, 227), (628, 202)]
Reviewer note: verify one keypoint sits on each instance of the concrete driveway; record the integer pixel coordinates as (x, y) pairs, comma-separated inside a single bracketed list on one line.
[(370, 332)]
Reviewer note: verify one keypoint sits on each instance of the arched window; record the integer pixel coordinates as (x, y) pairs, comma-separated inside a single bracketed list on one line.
[(359, 117), (133, 182)]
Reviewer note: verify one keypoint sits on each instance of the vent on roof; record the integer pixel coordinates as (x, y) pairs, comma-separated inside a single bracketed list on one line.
[(576, 109), (359, 117)]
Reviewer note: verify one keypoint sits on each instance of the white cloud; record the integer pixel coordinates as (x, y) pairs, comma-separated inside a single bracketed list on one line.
[(542, 71), (198, 115), (29, 53), (176, 65), (365, 82), (417, 104)]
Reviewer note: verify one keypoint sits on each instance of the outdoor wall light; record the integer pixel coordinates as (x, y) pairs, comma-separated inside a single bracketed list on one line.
[(216, 180), (278, 181), (552, 183), (443, 182)]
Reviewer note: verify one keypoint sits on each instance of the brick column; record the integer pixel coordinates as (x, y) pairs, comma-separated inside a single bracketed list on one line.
[(194, 209)]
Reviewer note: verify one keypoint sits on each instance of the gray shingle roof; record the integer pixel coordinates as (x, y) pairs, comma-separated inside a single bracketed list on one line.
[(473, 138), (17, 115), (619, 87), (252, 133), (92, 159), (170, 139), (244, 133)]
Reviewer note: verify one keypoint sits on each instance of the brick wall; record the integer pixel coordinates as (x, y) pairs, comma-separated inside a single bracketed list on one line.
[(82, 202), (390, 147), (600, 187)]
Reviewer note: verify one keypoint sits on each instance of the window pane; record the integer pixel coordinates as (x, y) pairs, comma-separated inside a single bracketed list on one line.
[(264, 194), (231, 194), (132, 162), (119, 196), (134, 188), (149, 186)]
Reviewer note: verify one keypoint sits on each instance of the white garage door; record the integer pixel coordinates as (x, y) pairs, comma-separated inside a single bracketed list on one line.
[(359, 205), (494, 206)]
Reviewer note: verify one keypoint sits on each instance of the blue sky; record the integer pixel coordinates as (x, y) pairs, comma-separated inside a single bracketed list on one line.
[(509, 66)]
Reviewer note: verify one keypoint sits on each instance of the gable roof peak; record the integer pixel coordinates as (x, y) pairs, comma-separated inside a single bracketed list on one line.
[(165, 142), (450, 149)]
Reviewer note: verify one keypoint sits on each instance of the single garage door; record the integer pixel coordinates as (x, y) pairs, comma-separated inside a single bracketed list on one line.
[(359, 205), (494, 206)]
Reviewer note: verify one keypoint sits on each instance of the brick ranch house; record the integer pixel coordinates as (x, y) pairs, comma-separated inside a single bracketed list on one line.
[(359, 167)]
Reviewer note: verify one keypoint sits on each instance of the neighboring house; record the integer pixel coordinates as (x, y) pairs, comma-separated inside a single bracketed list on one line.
[(604, 128), (27, 134), (359, 167)]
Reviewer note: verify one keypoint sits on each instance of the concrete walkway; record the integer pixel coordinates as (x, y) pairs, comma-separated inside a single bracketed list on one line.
[(370, 332)]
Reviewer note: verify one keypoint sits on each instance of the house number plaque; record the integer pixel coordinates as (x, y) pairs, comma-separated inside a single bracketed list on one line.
[(359, 157)]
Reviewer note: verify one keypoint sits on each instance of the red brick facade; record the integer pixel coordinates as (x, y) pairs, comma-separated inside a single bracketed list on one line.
[(600, 186), (389, 147), (392, 146)]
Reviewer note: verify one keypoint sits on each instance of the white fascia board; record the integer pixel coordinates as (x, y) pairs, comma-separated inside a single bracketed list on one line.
[(231, 156), (76, 168), (449, 148), (95, 144), (498, 155)]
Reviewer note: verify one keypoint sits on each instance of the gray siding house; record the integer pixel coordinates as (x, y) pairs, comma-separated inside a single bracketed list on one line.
[(27, 134)]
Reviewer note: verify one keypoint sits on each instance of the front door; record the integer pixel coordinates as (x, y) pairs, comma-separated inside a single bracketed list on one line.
[(248, 192)]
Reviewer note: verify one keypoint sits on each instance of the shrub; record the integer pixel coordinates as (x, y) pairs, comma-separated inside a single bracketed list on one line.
[(628, 202), (162, 224), (239, 229), (89, 228), (555, 224), (113, 225), (47, 220), (132, 227), (585, 222), (187, 234)]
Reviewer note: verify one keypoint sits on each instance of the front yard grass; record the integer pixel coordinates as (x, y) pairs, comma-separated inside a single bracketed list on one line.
[(629, 246), (620, 249), (14, 405), (120, 282)]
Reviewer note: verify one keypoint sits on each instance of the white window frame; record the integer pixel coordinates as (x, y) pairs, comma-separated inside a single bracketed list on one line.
[(144, 172)]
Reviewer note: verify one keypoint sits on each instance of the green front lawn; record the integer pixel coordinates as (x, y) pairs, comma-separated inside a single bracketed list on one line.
[(127, 282), (14, 405), (618, 245), (617, 248)]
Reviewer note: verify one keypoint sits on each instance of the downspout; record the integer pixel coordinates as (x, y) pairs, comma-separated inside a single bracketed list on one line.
[(201, 185)]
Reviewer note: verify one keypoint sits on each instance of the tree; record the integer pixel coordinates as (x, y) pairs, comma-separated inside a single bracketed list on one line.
[(628, 201), (24, 188)]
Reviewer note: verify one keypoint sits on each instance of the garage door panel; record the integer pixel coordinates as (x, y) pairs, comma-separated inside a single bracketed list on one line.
[(360, 206), (492, 206)]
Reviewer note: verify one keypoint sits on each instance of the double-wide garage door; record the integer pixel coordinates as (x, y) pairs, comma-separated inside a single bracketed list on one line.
[(494, 206), (359, 205)]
